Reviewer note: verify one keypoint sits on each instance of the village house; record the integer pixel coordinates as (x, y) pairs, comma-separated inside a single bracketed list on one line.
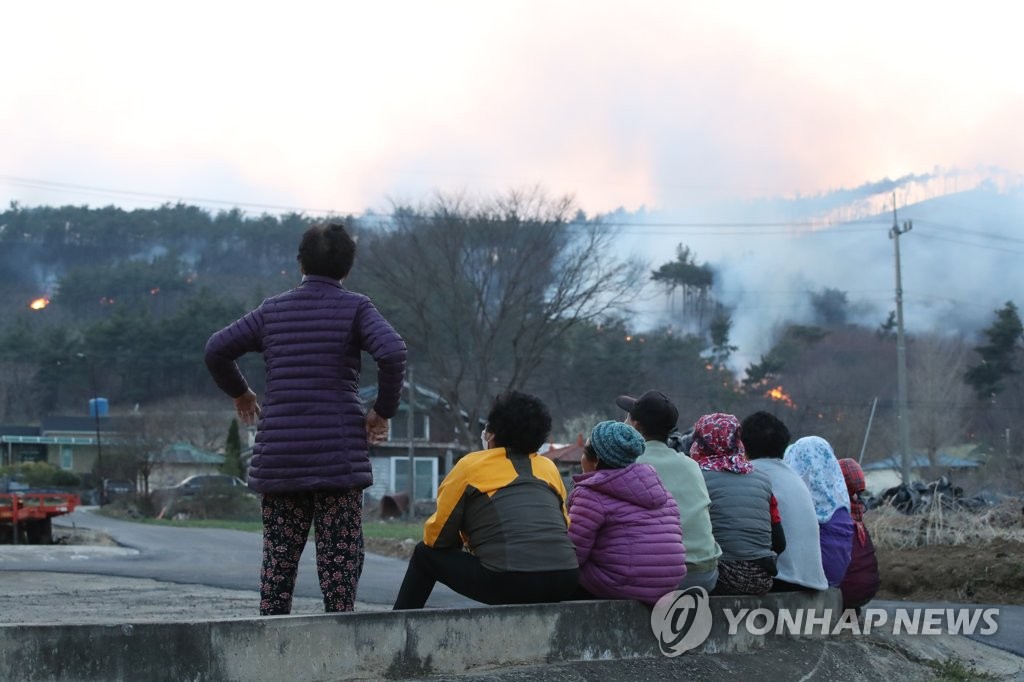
[(433, 445), (67, 442), (77, 443)]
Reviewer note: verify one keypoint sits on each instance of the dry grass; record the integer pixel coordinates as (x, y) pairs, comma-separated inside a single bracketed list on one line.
[(891, 529)]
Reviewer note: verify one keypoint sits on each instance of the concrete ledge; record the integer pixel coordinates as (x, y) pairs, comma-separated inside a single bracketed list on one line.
[(392, 645)]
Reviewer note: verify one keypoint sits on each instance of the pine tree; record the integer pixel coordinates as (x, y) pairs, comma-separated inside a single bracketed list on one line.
[(1000, 357), (232, 452)]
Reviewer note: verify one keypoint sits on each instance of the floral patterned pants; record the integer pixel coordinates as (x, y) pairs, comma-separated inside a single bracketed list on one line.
[(337, 521)]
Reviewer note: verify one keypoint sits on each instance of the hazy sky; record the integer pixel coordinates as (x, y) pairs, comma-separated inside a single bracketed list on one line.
[(345, 106)]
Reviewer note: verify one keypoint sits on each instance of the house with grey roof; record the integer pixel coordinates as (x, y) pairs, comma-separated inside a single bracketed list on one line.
[(178, 461)]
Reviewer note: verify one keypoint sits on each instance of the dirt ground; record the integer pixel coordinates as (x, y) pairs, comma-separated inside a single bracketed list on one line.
[(991, 573), (951, 555)]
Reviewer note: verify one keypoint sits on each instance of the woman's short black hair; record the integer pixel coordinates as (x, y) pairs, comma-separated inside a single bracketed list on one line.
[(600, 464), (519, 422), (327, 250), (764, 435)]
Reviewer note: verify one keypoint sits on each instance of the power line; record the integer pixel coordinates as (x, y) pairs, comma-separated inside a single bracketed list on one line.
[(963, 243), (978, 233), (647, 228), (49, 185)]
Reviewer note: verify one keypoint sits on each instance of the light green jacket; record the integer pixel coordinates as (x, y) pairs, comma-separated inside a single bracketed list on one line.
[(683, 478)]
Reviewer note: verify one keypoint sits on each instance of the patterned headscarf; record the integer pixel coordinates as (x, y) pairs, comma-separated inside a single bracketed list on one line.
[(812, 457), (717, 446), (855, 485)]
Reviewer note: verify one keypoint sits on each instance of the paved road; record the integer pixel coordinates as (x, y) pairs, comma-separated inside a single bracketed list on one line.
[(1009, 636), (226, 559)]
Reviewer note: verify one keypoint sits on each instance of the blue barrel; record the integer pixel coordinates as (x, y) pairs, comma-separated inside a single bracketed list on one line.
[(98, 407)]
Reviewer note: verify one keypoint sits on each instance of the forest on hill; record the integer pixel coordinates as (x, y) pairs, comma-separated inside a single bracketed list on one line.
[(521, 292)]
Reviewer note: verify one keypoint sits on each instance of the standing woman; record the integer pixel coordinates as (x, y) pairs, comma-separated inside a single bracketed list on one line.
[(311, 457), (813, 458)]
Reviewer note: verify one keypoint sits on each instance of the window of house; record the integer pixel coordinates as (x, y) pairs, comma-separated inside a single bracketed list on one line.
[(399, 426), (32, 456), (67, 460), (426, 476)]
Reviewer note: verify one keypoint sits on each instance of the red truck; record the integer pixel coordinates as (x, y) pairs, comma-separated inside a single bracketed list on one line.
[(27, 516)]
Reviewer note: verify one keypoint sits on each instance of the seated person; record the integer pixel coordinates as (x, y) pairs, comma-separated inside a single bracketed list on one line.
[(744, 513), (861, 582), (623, 522), (654, 415), (765, 438), (813, 459), (500, 532)]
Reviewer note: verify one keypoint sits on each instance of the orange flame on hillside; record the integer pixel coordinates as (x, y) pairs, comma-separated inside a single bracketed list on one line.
[(39, 303), (778, 395)]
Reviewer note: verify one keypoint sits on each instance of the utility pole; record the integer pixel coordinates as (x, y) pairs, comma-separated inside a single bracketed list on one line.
[(95, 409), (902, 417), (867, 431), (411, 430)]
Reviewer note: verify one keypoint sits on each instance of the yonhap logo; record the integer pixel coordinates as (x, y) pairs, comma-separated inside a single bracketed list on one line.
[(681, 620)]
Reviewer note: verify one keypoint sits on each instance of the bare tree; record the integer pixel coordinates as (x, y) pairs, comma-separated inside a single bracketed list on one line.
[(578, 426), (938, 393), (148, 432), (482, 290)]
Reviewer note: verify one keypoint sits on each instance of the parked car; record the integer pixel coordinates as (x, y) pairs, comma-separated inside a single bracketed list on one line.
[(118, 488), (208, 496)]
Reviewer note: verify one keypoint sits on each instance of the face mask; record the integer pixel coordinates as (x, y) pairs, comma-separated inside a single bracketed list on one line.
[(483, 440)]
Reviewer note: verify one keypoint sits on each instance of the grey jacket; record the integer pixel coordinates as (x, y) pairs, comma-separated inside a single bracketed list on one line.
[(740, 514)]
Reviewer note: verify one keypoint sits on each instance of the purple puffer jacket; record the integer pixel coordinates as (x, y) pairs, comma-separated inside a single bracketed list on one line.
[(625, 526), (836, 537), (312, 429)]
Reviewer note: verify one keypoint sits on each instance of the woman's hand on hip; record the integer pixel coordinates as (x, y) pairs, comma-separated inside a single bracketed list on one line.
[(247, 407), (376, 428)]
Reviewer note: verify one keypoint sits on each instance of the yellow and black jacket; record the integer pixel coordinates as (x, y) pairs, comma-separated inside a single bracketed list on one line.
[(508, 509)]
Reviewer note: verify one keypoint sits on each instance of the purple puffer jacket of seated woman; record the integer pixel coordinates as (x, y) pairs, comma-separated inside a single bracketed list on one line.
[(625, 526), (836, 544)]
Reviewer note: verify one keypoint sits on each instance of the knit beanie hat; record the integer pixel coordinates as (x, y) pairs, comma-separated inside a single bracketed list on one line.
[(616, 444)]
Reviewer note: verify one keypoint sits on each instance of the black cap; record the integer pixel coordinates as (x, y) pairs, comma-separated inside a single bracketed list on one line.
[(654, 410)]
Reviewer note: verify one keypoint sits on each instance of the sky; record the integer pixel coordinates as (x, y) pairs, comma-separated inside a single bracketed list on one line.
[(694, 113), (345, 106)]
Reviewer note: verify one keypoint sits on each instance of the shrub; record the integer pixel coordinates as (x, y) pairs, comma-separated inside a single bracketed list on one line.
[(42, 475), (228, 504)]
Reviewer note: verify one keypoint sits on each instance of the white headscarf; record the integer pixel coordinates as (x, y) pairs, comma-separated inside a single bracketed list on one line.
[(812, 457)]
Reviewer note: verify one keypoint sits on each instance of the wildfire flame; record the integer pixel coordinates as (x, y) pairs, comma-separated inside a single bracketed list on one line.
[(778, 395), (39, 303)]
